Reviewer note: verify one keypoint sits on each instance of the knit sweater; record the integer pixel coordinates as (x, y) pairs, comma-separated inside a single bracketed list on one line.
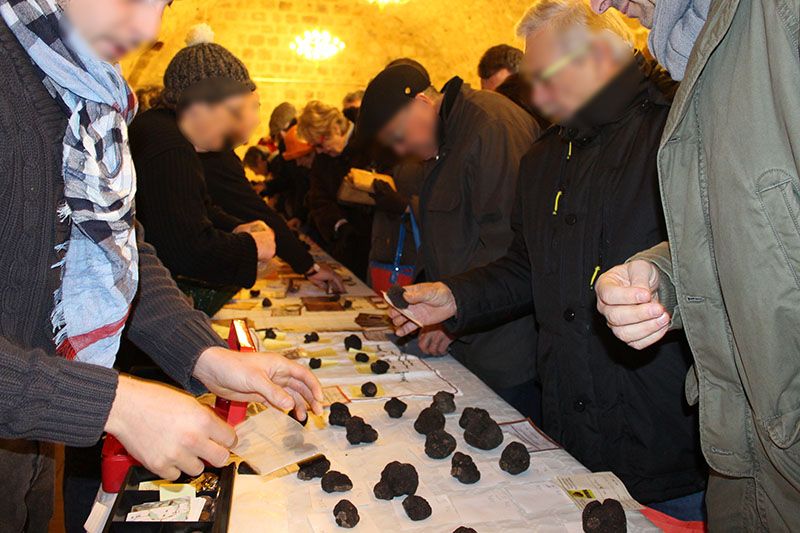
[(191, 233), (230, 189), (42, 396)]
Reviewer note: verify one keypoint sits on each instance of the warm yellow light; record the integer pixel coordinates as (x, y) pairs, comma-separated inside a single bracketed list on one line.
[(317, 45)]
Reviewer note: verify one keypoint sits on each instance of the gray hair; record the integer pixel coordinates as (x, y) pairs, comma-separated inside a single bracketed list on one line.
[(564, 16)]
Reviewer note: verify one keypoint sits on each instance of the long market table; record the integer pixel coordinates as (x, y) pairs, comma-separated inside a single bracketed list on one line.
[(531, 501)]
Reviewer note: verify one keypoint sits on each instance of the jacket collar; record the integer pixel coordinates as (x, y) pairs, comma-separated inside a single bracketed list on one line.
[(629, 88), (449, 111)]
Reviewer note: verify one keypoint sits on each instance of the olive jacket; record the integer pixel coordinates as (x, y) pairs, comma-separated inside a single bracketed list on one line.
[(728, 169)]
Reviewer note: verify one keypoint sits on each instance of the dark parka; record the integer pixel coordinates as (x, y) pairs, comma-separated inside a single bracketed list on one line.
[(466, 202), (588, 198)]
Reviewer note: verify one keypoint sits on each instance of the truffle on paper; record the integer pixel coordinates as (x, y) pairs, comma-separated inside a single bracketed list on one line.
[(266, 302), (340, 414), (315, 362), (346, 514), (445, 402), (311, 337), (464, 529), (515, 458), (395, 408), (606, 517), (255, 293), (313, 468), (269, 333), (417, 508), (369, 389), (429, 419), (359, 432), (353, 341), (397, 479), (464, 469), (483, 432), (439, 444), (333, 481), (361, 357), (379, 367)]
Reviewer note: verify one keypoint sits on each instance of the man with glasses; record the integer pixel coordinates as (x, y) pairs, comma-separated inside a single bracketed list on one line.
[(588, 199), (469, 143)]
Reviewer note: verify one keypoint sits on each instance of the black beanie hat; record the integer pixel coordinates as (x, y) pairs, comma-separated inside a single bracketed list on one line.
[(204, 72)]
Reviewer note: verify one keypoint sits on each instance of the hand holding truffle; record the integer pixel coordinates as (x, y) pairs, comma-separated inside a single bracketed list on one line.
[(428, 303), (627, 295), (259, 377)]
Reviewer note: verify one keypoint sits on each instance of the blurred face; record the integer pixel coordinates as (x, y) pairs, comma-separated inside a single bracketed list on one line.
[(250, 118), (332, 144), (212, 127), (112, 28), (412, 130), (642, 10), (491, 83), (566, 73)]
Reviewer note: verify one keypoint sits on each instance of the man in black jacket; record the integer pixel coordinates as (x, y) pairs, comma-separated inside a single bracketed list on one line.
[(588, 199), (45, 396), (229, 189), (470, 144)]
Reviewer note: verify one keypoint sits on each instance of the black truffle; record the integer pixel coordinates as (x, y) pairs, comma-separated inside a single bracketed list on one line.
[(470, 413), (315, 362), (369, 389), (311, 337), (353, 341), (429, 419), (333, 481), (444, 401), (515, 458), (397, 297), (379, 367), (397, 479), (464, 529), (266, 302), (416, 507), (340, 414), (606, 517), (255, 293), (359, 431), (346, 514), (269, 333), (439, 444), (347, 304), (316, 467), (395, 407), (464, 469), (293, 415), (361, 357), (482, 432)]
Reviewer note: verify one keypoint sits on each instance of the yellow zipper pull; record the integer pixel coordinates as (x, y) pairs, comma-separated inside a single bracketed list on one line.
[(555, 205), (594, 276), (569, 151)]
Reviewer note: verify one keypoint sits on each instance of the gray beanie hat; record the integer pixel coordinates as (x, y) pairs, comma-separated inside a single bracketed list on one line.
[(204, 72), (281, 116)]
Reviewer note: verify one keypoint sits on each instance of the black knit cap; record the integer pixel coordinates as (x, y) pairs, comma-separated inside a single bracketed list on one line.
[(205, 72), (389, 92)]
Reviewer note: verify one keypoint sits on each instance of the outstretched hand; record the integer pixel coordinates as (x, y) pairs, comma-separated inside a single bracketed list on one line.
[(429, 304)]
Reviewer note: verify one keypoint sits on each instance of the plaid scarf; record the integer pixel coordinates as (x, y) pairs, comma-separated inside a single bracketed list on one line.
[(99, 265)]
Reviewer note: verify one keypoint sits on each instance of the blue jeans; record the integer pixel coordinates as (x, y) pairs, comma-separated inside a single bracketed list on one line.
[(689, 508)]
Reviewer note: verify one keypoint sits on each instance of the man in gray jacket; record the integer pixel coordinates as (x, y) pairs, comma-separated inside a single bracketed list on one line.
[(730, 273), (470, 144)]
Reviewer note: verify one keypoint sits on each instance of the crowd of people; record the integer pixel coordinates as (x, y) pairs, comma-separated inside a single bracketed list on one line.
[(606, 236)]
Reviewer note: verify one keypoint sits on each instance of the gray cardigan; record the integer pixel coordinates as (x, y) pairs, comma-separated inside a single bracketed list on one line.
[(42, 396)]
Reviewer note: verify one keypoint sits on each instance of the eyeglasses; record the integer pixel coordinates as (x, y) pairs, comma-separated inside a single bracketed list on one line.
[(549, 72)]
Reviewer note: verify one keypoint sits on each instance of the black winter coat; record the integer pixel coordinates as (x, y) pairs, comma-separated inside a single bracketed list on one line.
[(466, 202), (588, 200)]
